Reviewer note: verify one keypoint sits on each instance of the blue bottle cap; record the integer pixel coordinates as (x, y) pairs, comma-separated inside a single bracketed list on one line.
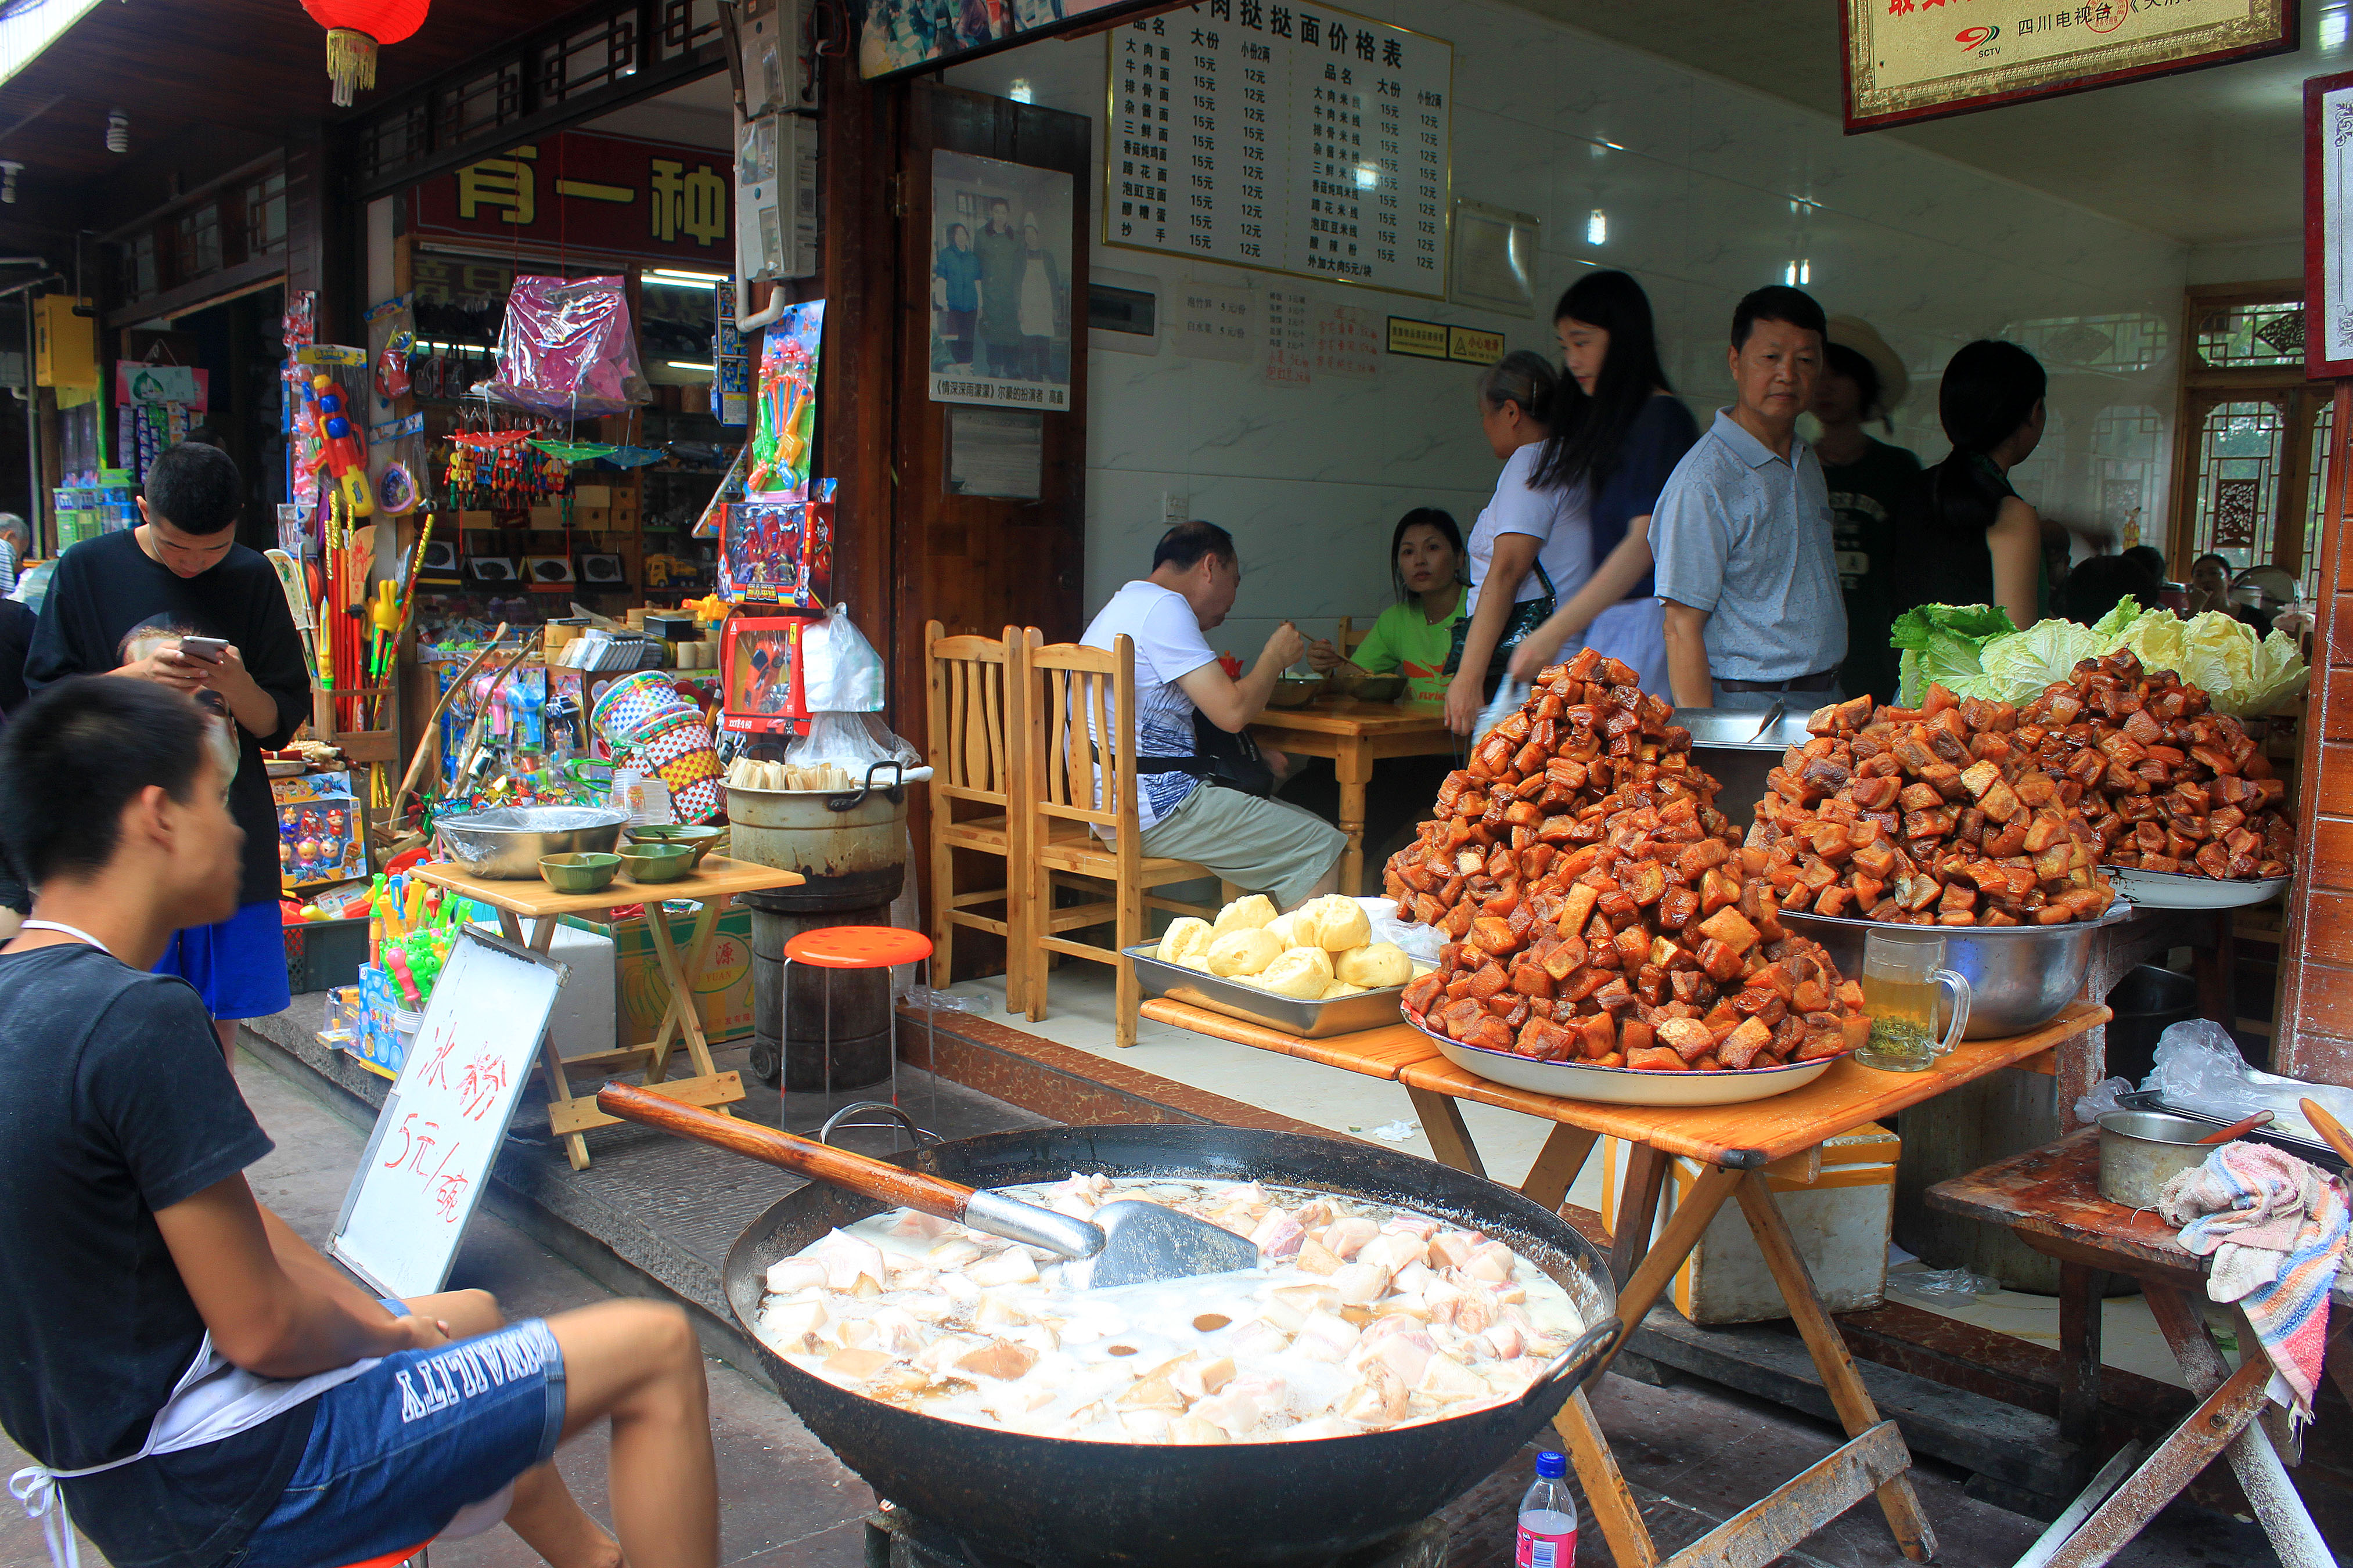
[(1551, 1466)]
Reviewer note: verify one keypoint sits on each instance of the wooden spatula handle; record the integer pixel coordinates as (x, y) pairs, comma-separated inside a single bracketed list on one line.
[(2239, 1129), (2329, 1128), (876, 1179)]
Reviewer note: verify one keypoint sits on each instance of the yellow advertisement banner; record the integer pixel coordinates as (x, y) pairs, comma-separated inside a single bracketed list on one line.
[(1915, 59)]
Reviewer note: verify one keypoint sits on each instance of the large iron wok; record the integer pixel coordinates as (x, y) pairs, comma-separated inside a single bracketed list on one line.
[(1060, 1503)]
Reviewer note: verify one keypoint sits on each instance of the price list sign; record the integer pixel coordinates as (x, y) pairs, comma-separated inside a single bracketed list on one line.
[(1282, 137)]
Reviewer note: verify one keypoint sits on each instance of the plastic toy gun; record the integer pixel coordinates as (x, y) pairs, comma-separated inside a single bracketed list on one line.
[(339, 444)]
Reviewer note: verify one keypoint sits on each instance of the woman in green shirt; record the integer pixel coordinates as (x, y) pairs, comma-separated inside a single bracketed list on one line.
[(1414, 635)]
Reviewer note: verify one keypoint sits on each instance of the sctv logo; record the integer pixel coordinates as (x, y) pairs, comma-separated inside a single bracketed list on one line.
[(1971, 38)]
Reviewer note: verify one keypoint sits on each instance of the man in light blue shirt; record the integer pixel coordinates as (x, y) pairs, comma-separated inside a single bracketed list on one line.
[(1742, 531)]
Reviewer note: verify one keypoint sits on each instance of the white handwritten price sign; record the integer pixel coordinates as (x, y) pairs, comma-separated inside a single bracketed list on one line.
[(440, 1128), (1283, 137)]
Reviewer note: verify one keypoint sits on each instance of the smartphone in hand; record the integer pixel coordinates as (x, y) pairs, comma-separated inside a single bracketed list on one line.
[(209, 650)]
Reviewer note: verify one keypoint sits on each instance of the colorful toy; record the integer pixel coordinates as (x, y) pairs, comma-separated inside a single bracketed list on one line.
[(784, 419), (342, 451), (780, 552)]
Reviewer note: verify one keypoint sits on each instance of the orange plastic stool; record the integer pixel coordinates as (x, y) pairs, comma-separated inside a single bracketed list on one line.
[(392, 1559), (862, 947)]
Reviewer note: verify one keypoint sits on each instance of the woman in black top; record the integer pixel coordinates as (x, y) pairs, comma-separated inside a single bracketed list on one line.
[(1967, 537)]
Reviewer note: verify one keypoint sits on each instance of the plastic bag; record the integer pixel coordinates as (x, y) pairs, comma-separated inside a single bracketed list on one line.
[(567, 348), (841, 671), (2199, 1068), (2090, 1107), (853, 742), (1942, 1287), (1420, 943)]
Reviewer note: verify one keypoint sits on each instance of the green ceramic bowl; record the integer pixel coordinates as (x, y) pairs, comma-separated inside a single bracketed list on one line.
[(578, 873), (657, 862), (699, 839)]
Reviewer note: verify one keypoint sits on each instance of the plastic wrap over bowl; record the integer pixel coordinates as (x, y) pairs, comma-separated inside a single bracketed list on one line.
[(507, 843)]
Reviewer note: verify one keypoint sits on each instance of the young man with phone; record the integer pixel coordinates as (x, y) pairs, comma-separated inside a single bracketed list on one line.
[(192, 1380), (179, 602)]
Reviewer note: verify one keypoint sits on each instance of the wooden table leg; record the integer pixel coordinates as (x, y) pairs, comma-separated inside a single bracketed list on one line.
[(2219, 1419), (1852, 1401), (559, 1086), (2080, 1289), (1557, 1164), (682, 1009), (1637, 1208), (1441, 1123), (1681, 1234), (1615, 1510), (706, 919), (1355, 771), (2254, 1458)]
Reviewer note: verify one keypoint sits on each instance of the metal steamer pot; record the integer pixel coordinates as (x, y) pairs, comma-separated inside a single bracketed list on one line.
[(1062, 1503), (850, 845)]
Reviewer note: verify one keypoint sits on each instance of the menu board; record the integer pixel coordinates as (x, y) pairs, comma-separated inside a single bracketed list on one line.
[(1282, 137)]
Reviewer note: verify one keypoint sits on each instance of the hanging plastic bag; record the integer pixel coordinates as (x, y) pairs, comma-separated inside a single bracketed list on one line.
[(854, 742), (839, 668), (2199, 1068), (567, 348)]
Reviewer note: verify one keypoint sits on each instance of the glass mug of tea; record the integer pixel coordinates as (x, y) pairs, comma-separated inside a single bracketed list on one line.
[(1901, 973)]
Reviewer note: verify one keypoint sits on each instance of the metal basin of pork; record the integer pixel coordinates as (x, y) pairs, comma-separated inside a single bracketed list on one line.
[(2020, 977), (1737, 749), (1062, 1503)]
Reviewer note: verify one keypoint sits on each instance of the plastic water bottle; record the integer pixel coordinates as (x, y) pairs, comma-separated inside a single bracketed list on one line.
[(1547, 1535)]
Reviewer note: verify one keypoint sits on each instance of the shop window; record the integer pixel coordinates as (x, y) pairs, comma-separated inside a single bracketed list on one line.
[(482, 103), (2125, 342), (2127, 447), (197, 241), (2315, 489), (139, 267), (592, 58), (2261, 335), (2240, 450), (265, 213), (685, 26)]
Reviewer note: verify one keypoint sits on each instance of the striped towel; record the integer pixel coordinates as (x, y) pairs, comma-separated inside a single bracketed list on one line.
[(2275, 1228)]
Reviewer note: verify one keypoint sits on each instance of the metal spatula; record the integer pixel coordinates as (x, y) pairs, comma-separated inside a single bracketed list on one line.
[(1127, 1241)]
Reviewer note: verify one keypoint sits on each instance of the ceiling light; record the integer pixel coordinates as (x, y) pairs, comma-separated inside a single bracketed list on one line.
[(689, 365), (1367, 176), (1021, 91), (118, 131), (2332, 29), (1796, 273), (1597, 228), (10, 169), (679, 275)]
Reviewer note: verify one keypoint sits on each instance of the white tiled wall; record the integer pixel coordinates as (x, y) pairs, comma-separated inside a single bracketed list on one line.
[(1710, 190)]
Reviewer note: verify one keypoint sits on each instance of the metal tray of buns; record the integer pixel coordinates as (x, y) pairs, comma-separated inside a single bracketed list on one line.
[(1239, 999)]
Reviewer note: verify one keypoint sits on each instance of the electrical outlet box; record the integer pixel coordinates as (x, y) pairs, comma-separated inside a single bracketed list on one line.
[(1175, 508), (775, 196), (65, 346)]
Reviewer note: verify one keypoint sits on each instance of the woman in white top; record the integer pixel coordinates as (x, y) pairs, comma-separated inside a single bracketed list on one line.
[(1529, 547)]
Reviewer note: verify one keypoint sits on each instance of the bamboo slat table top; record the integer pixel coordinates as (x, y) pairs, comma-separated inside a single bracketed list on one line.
[(717, 877), (1743, 1136)]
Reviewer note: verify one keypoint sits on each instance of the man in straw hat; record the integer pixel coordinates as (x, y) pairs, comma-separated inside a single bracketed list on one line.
[(1862, 379)]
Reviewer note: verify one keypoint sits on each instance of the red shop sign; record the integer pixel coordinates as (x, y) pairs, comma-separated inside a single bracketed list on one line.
[(578, 192)]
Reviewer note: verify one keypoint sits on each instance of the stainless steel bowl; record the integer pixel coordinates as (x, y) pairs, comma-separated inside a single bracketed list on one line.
[(507, 843), (2140, 1150), (1738, 747), (2020, 977)]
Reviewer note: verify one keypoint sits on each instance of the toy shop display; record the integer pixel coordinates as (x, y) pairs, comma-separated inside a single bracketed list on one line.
[(567, 348), (760, 674), (783, 416), (780, 552), (319, 830)]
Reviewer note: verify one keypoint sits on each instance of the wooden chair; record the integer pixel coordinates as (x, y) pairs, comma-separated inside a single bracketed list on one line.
[(1350, 639), (973, 740), (1068, 685)]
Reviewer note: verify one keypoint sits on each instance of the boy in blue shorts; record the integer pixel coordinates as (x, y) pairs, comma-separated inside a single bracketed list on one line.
[(197, 1383)]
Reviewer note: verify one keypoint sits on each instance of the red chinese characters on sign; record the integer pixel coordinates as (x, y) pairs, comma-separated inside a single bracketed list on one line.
[(484, 1077), (579, 192)]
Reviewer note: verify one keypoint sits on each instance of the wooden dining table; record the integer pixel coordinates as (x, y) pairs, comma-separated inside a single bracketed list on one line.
[(1355, 734)]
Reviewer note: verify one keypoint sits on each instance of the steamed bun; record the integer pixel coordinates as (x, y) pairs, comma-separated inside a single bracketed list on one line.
[(1197, 959), (1379, 964), (1286, 931), (1245, 914), (1301, 973), (1183, 937), (1244, 951), (1339, 988), (1334, 922)]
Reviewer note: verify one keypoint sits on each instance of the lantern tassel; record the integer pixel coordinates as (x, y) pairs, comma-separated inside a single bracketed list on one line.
[(351, 63)]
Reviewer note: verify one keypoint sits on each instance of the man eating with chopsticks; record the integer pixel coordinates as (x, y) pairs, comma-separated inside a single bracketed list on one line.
[(197, 1383)]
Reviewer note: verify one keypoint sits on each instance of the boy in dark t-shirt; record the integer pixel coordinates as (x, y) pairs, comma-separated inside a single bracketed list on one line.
[(197, 1383), (122, 605)]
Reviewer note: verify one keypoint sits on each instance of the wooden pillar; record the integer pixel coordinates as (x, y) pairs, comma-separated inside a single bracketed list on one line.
[(2314, 1038)]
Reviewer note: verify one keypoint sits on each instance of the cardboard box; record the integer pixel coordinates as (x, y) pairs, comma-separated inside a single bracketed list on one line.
[(550, 517), (593, 518), (1839, 1210), (587, 496), (723, 987), (478, 520)]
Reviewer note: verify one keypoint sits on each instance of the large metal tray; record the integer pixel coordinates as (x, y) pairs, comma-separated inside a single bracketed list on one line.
[(1234, 999)]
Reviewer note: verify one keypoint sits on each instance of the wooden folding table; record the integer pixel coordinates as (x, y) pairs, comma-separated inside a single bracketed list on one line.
[(1355, 734), (710, 886), (2051, 1197), (1733, 1144)]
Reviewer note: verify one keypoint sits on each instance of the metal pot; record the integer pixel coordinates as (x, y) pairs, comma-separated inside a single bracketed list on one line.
[(1060, 1503), (506, 843), (2020, 977), (2140, 1150), (1737, 747), (849, 846)]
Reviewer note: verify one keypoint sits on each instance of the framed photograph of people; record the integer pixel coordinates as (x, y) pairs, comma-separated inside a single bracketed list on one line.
[(999, 285)]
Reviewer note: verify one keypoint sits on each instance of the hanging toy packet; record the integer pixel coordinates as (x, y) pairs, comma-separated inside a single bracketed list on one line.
[(779, 551), (783, 418)]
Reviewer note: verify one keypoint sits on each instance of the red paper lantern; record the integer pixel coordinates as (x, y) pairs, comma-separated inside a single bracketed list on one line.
[(354, 30)]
